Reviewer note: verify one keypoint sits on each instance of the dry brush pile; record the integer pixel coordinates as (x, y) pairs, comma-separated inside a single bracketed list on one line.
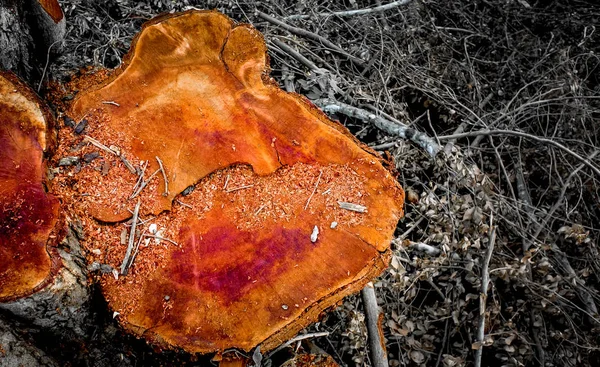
[(508, 91)]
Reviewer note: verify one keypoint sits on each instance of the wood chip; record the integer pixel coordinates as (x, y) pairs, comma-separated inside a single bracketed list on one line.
[(352, 207)]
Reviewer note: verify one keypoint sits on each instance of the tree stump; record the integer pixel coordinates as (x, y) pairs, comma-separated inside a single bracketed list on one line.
[(42, 273), (226, 212)]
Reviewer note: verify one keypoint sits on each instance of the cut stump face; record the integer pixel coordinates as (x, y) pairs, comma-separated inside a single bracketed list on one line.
[(28, 215), (262, 245)]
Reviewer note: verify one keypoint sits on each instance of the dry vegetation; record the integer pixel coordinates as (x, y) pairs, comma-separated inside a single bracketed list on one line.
[(519, 81)]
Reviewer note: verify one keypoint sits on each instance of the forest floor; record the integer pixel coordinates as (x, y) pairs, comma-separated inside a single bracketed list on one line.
[(510, 90)]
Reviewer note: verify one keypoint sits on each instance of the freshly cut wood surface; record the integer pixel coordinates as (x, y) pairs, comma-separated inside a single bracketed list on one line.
[(243, 264), (28, 215)]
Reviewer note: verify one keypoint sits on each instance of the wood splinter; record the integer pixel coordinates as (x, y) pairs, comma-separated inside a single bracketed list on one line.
[(352, 207), (162, 169)]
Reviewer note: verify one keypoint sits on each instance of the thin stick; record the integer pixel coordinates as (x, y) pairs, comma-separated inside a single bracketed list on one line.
[(136, 212), (143, 185), (296, 55), (523, 135), (310, 35), (314, 190), (403, 131), (135, 252), (485, 280), (226, 183), (372, 321), (161, 238), (164, 174), (112, 103), (46, 66), (107, 149), (239, 188), (297, 339), (99, 145), (141, 176), (184, 204), (349, 13)]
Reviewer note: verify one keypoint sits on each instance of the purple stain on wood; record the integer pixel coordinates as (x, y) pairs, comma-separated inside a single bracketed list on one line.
[(227, 262)]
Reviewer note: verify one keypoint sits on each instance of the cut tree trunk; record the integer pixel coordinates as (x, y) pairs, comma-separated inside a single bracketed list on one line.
[(42, 275), (30, 31)]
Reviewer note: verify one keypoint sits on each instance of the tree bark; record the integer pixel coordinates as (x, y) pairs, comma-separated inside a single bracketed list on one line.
[(30, 31), (15, 350), (62, 307), (16, 43)]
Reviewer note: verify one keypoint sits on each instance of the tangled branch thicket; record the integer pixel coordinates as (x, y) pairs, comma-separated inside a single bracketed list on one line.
[(455, 70)]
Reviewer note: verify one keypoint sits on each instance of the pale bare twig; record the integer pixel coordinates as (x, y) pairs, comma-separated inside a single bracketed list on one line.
[(485, 280), (315, 37), (349, 13), (372, 320)]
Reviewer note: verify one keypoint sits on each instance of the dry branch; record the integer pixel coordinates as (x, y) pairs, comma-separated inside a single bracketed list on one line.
[(349, 13), (372, 320), (405, 132), (585, 161), (485, 280), (312, 36)]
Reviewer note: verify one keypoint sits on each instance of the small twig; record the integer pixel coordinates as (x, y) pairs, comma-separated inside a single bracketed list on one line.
[(98, 144), (373, 322), (296, 55), (136, 212), (46, 66), (310, 35), (297, 339), (226, 182), (314, 190), (417, 137), (161, 238), (141, 176), (527, 136), (112, 103), (137, 248), (164, 174), (184, 204), (143, 185), (352, 207), (239, 188), (349, 13), (485, 280)]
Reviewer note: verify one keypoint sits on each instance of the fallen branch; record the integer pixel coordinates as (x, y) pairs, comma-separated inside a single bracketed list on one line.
[(527, 136), (405, 132), (485, 280), (310, 35), (349, 13), (296, 55), (373, 318)]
